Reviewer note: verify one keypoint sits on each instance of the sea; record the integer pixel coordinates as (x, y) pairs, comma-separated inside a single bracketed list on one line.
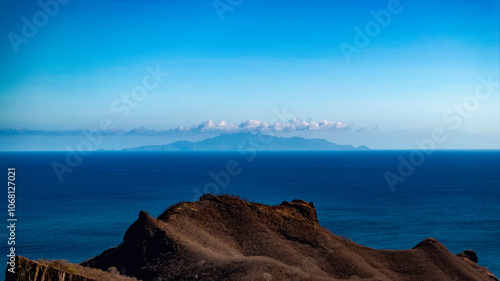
[(380, 199)]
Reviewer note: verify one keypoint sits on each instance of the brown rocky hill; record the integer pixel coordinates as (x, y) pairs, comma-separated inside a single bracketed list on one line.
[(226, 238)]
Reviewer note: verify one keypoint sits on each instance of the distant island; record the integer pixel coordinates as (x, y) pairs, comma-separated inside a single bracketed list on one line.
[(249, 141)]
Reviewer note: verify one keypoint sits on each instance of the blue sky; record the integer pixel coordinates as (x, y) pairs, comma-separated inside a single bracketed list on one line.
[(261, 57)]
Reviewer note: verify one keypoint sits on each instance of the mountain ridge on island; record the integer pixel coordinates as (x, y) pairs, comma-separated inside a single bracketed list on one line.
[(249, 141), (226, 237)]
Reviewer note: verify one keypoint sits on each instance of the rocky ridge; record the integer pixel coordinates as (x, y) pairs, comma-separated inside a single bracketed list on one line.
[(229, 238)]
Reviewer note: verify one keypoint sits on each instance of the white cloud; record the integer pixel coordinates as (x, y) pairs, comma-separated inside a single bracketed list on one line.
[(256, 126)]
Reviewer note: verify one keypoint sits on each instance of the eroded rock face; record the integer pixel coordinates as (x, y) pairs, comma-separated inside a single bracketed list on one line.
[(226, 238), (470, 255), (29, 270)]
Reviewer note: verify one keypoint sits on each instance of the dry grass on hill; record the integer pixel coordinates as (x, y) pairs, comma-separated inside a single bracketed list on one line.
[(63, 265)]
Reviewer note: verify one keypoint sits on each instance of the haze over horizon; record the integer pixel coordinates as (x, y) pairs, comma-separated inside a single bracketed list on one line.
[(385, 74)]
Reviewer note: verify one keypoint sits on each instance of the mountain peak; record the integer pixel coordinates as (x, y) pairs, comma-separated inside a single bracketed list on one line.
[(248, 141), (228, 238)]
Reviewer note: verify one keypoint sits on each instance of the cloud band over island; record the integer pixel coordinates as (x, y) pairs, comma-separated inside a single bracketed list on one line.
[(248, 126)]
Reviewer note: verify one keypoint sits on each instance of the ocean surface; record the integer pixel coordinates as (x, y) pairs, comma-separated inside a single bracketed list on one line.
[(453, 196)]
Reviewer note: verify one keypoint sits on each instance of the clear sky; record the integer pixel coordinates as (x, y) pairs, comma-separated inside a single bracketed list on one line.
[(391, 71)]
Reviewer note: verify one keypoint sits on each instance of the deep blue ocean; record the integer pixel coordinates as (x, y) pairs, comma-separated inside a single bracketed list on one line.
[(453, 196)]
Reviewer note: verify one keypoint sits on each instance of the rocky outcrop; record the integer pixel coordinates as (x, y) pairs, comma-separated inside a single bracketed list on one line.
[(29, 270), (227, 238), (470, 255), (59, 270)]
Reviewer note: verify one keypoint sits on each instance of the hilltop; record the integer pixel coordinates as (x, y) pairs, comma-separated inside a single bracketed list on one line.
[(227, 238)]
